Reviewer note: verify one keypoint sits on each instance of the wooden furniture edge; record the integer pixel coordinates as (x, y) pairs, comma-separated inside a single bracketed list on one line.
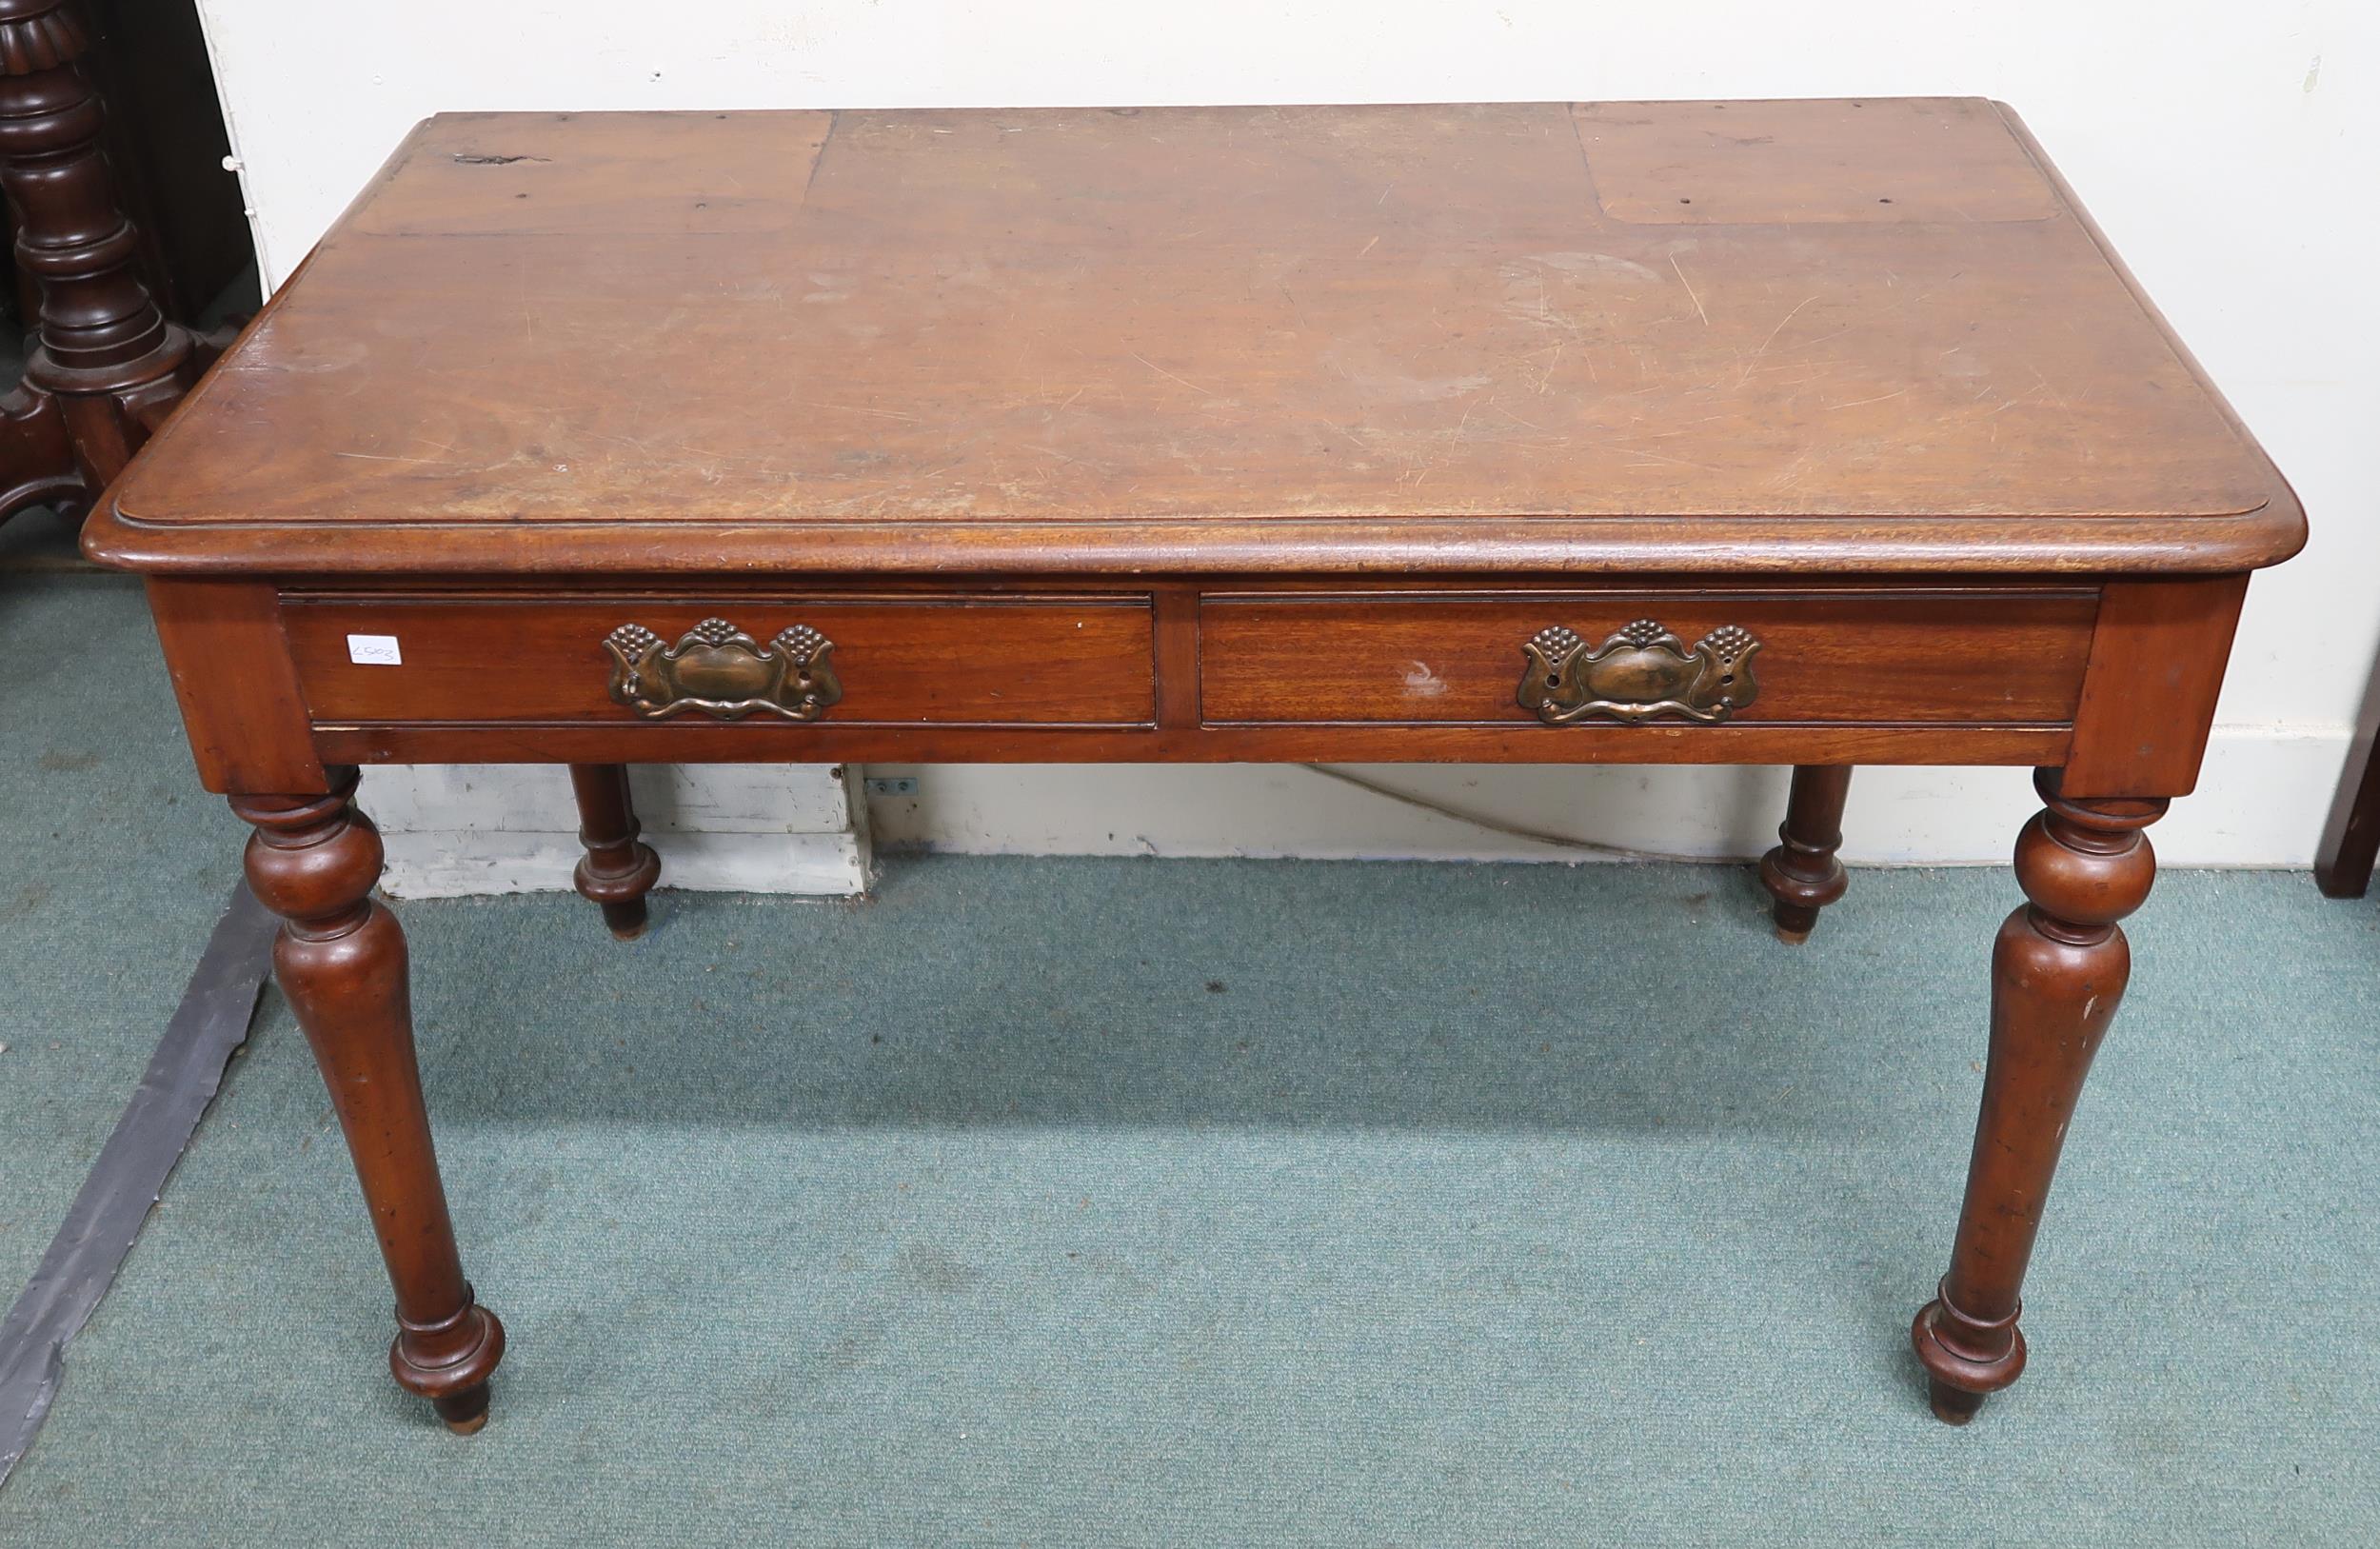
[(237, 683), (1582, 549), (2284, 513), (1538, 543), (2157, 660), (2018, 746)]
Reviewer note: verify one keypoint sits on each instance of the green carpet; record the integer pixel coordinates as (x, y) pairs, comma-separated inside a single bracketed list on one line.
[(116, 867), (1150, 1202)]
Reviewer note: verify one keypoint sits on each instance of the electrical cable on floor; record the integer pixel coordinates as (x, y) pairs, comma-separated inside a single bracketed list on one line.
[(1512, 831)]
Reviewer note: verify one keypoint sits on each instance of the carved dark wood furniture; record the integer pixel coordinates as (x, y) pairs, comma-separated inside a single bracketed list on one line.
[(104, 366), (2351, 836), (1817, 433), (168, 145)]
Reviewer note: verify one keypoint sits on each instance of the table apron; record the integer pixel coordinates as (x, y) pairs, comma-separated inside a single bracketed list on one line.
[(2030, 746), (2112, 679), (1596, 674)]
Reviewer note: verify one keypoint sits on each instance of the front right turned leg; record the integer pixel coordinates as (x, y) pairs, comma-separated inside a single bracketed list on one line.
[(2059, 969), (341, 962)]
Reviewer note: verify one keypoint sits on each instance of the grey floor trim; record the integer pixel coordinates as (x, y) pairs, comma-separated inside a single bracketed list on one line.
[(131, 1173)]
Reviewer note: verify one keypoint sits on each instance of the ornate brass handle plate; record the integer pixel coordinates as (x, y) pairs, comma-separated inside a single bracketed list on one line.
[(716, 669), (1637, 674)]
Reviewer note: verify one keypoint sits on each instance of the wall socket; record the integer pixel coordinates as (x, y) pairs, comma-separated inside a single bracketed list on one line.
[(906, 786)]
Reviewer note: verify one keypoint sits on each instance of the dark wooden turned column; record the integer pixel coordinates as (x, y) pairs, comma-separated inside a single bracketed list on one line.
[(2058, 969), (341, 962), (617, 871), (104, 366), (2351, 838), (1801, 873)]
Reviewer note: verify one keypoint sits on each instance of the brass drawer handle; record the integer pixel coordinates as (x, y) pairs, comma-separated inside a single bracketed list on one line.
[(1636, 674), (719, 670)]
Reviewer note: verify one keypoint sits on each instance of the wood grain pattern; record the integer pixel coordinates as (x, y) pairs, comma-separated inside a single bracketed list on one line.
[(618, 868), (341, 962), (1172, 340), (2149, 697), (2012, 658), (103, 365), (2059, 967), (593, 175), (1883, 161), (1177, 619), (241, 704), (954, 660), (824, 741), (1801, 873)]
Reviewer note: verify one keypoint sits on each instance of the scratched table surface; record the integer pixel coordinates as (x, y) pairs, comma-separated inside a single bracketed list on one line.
[(670, 333)]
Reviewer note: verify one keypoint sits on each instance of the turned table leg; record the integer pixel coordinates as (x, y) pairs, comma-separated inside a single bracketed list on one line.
[(103, 365), (2351, 838), (617, 871), (1801, 872), (2059, 969), (341, 962)]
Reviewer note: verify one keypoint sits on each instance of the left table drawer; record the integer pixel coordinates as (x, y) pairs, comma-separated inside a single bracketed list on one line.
[(961, 660)]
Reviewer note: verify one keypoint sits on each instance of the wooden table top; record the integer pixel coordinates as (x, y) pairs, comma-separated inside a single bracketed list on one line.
[(1534, 338)]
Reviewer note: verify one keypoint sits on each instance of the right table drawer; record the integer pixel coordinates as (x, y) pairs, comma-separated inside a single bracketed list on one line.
[(1883, 656)]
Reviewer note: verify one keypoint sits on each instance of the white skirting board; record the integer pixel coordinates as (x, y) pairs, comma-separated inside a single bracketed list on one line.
[(798, 828), (2260, 802), (453, 830)]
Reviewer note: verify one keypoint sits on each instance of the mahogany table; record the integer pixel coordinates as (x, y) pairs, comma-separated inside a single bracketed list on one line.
[(1815, 433)]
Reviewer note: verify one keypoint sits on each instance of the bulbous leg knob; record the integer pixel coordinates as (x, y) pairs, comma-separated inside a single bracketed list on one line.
[(449, 1360), (617, 869), (1964, 1358), (621, 894)]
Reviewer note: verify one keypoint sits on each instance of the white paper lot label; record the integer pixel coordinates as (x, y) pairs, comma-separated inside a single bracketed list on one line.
[(374, 650)]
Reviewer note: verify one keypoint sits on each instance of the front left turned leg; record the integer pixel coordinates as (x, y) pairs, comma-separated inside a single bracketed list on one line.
[(341, 962), (2059, 969), (617, 869)]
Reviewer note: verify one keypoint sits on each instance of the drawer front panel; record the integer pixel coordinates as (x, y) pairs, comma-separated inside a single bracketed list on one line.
[(1842, 657), (892, 661)]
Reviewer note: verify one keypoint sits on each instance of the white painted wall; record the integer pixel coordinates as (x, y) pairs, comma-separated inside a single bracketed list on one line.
[(467, 828), (2232, 151)]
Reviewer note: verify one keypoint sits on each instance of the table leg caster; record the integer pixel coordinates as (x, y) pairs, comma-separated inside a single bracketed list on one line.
[(465, 1413), (1952, 1406)]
